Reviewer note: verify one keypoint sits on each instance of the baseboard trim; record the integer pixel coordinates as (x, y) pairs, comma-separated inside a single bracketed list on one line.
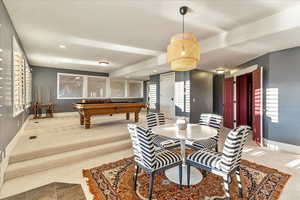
[(9, 149), (278, 146)]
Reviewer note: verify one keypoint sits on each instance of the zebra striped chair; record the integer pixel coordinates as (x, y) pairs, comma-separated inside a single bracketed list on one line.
[(156, 119), (222, 164), (214, 121), (150, 160)]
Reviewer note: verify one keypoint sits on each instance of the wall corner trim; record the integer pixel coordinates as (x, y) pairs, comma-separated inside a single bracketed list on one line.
[(9, 148), (279, 146)]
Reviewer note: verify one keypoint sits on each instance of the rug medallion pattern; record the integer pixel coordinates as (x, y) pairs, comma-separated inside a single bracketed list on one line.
[(114, 181)]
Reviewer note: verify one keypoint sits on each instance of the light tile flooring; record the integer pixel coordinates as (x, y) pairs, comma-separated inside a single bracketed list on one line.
[(283, 161)]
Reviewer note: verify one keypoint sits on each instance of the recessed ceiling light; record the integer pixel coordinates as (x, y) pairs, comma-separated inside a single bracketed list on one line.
[(62, 46), (155, 71), (103, 63), (1, 50), (220, 71), (1, 59)]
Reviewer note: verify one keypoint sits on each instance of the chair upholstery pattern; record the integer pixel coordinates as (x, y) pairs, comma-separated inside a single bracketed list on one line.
[(148, 158), (144, 149), (214, 121), (224, 163), (156, 119)]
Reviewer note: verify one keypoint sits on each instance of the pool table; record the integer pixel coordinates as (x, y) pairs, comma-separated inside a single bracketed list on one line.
[(89, 108)]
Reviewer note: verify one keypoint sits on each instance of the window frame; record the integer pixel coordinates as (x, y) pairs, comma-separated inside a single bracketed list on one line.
[(84, 92), (107, 88), (125, 88), (141, 92)]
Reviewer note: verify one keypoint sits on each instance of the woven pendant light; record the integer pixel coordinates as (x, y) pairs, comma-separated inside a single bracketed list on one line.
[(183, 52)]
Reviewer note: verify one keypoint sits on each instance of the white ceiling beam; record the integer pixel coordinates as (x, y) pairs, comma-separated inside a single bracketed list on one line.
[(284, 21)]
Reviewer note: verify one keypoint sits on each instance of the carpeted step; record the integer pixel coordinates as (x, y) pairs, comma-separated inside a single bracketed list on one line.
[(48, 162), (64, 146)]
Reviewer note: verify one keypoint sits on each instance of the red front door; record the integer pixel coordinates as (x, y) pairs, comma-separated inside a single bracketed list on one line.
[(228, 102), (257, 105)]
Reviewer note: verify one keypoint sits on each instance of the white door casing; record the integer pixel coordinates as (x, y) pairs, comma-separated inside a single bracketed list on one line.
[(167, 94)]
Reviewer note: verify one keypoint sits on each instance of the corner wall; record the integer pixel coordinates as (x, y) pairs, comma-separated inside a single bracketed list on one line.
[(281, 83), (9, 125)]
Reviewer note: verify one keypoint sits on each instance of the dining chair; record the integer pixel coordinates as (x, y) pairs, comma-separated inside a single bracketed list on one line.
[(157, 119), (148, 158), (214, 121), (225, 163)]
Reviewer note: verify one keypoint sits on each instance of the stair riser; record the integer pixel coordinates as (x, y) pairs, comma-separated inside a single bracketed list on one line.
[(61, 149), (23, 171)]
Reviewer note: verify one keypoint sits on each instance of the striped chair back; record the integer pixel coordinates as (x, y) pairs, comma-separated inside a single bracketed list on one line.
[(233, 147), (155, 119), (212, 120), (151, 120), (161, 118), (142, 144)]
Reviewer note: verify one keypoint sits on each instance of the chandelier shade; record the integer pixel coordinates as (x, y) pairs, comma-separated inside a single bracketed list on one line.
[(183, 52)]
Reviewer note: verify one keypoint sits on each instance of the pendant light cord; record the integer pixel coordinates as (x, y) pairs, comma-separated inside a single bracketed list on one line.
[(183, 31)]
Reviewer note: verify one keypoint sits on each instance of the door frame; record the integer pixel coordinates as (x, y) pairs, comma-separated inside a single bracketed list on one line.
[(162, 76), (241, 72)]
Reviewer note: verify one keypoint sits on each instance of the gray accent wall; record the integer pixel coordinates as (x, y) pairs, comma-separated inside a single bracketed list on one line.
[(9, 125), (201, 94), (46, 79), (282, 72), (218, 94)]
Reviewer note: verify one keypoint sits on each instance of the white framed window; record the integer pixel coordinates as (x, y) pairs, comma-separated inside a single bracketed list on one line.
[(18, 79), (28, 84), (70, 86), (77, 86), (152, 95), (135, 89), (96, 87), (118, 88)]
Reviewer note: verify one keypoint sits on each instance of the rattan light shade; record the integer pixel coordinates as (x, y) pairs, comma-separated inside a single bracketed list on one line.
[(188, 43)]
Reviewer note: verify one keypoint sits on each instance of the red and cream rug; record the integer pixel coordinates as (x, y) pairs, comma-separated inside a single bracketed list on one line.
[(114, 181)]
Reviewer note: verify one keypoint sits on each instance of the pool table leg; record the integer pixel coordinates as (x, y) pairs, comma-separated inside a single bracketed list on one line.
[(81, 119), (127, 116), (87, 122), (136, 117)]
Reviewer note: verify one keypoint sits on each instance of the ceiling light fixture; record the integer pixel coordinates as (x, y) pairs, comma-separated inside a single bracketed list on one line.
[(220, 71), (155, 71), (183, 52), (62, 46), (103, 63), (1, 50)]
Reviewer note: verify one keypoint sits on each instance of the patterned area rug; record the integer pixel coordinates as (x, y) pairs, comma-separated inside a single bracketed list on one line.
[(114, 181)]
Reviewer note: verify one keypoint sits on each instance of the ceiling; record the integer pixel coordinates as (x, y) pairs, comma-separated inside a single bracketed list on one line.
[(133, 34)]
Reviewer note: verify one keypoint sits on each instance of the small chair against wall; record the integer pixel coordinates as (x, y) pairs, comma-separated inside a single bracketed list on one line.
[(225, 163), (157, 119), (147, 158)]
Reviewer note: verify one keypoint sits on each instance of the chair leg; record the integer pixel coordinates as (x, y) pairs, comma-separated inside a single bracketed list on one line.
[(188, 170), (217, 148), (136, 177), (227, 186), (180, 175), (151, 186), (238, 178)]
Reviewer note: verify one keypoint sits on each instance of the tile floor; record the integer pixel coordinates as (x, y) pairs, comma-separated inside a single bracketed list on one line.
[(283, 161), (53, 191)]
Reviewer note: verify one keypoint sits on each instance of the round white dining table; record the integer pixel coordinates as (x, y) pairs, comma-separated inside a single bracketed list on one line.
[(192, 132)]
